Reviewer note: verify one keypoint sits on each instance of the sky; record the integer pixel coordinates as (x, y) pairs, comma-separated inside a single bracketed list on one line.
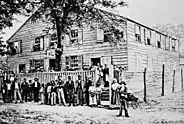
[(147, 12)]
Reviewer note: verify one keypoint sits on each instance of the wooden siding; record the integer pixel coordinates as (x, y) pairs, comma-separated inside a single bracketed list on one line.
[(89, 47), (148, 55)]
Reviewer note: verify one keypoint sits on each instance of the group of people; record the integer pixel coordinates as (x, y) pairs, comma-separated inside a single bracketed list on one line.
[(119, 95), (55, 91)]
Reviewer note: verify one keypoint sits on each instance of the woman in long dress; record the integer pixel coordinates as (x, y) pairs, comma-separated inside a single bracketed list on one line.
[(92, 95)]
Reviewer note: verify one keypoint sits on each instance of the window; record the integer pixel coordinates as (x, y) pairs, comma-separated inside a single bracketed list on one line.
[(38, 43), (22, 68), (108, 36), (167, 43), (144, 35), (149, 37), (158, 40), (73, 62), (173, 44), (53, 42), (16, 46), (74, 36), (36, 65), (138, 33)]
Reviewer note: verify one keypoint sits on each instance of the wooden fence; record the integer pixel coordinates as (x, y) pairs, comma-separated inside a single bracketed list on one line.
[(46, 77)]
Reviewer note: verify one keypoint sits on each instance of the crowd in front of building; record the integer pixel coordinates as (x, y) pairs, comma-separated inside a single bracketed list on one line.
[(54, 92), (66, 93)]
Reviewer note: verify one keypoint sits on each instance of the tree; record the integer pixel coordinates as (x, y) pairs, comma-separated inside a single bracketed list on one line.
[(65, 13)]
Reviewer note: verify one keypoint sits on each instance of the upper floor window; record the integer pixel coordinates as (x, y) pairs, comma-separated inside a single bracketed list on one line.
[(149, 37), (138, 33), (15, 47), (167, 43), (173, 44), (159, 40), (74, 36), (38, 43), (53, 41), (108, 36)]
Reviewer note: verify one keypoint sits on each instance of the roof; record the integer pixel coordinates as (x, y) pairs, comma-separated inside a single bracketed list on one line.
[(103, 10)]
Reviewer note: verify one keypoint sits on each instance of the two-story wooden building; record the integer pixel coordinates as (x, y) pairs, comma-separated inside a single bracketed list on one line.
[(139, 47)]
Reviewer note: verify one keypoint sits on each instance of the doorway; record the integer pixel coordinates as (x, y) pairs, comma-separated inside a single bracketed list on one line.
[(95, 61)]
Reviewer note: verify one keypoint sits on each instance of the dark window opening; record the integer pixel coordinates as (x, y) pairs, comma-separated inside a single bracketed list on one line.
[(95, 61), (158, 44), (148, 41), (22, 68)]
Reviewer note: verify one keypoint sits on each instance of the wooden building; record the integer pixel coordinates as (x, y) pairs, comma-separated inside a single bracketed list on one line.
[(139, 47)]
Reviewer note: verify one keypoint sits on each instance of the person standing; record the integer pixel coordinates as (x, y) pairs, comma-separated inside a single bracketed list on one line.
[(60, 91), (86, 89), (25, 88), (42, 94), (16, 88), (106, 76), (36, 87), (4, 93), (98, 93), (49, 88), (70, 91), (53, 93), (9, 91), (92, 95), (79, 90), (115, 92), (123, 99)]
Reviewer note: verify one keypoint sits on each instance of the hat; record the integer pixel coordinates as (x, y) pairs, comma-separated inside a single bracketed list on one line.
[(123, 82), (35, 79)]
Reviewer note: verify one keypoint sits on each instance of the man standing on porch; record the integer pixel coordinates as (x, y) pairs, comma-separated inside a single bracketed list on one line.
[(36, 87), (70, 91)]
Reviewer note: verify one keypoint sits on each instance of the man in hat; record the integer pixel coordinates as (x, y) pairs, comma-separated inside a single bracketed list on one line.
[(16, 88), (60, 91), (25, 89), (70, 91), (86, 89), (36, 87), (79, 90), (123, 99)]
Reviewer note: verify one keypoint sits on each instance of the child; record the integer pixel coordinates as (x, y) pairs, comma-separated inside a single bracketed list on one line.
[(42, 94)]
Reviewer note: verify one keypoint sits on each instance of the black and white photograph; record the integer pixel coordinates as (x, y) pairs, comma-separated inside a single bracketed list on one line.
[(91, 61)]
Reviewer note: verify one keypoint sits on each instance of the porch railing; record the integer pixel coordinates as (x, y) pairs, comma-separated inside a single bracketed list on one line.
[(46, 77)]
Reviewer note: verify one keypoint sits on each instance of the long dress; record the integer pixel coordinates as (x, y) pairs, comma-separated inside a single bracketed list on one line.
[(92, 95)]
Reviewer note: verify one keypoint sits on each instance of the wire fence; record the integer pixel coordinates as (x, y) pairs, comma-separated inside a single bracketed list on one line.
[(150, 84)]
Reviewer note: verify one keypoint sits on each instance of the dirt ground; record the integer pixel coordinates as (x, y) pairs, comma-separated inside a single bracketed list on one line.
[(162, 110)]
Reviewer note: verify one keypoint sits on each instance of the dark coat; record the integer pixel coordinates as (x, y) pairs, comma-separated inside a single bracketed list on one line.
[(70, 86), (13, 85), (87, 85), (25, 86), (79, 84), (38, 85)]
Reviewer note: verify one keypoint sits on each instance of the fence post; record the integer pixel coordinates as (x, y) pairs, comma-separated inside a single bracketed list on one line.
[(145, 100), (173, 81), (182, 79), (163, 68)]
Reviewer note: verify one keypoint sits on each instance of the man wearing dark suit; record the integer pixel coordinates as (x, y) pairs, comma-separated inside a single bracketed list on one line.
[(70, 91), (25, 88), (36, 87), (86, 89), (79, 90)]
